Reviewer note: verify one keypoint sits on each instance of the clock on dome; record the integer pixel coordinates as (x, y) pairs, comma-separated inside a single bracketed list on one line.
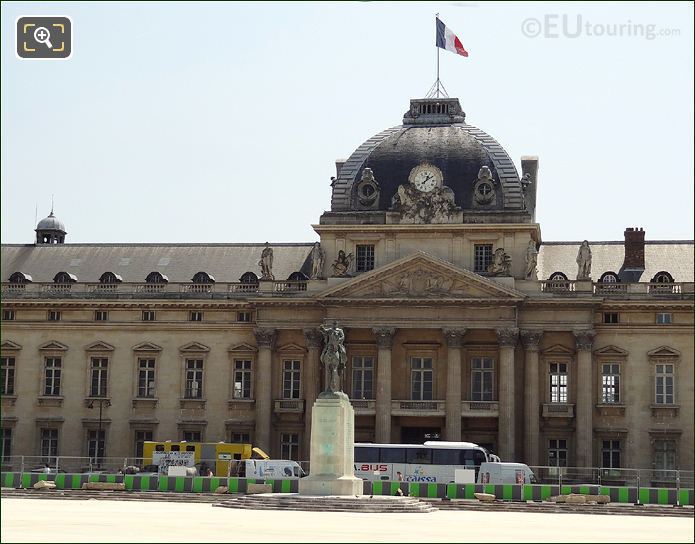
[(426, 177)]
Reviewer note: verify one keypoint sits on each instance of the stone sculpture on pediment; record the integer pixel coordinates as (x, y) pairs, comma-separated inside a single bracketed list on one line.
[(436, 206), (501, 264), (341, 266)]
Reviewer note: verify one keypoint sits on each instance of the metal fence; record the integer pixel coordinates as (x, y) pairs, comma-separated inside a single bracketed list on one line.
[(80, 465), (614, 476)]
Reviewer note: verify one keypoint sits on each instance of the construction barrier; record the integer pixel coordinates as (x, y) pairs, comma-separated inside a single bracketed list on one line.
[(508, 492)]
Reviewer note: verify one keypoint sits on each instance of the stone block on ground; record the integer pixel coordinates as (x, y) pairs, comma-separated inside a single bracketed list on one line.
[(557, 498), (252, 489), (44, 484), (602, 499), (103, 486), (574, 498), (484, 497), (221, 490)]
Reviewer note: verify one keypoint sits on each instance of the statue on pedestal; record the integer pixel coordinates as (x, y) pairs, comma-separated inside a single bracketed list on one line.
[(584, 261), (266, 263), (333, 357)]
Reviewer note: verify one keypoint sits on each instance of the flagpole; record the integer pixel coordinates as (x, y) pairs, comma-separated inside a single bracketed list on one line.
[(437, 48)]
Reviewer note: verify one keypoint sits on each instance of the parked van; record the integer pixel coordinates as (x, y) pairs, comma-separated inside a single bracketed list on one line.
[(266, 468), (505, 473)]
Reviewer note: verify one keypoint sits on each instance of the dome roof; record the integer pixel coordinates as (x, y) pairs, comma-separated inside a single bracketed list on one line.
[(434, 131), (51, 223)]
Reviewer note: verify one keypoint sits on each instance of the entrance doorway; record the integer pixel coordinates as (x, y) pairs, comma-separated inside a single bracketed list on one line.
[(418, 435)]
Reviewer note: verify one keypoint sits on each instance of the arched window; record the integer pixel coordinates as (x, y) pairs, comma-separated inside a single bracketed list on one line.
[(662, 282), (156, 277), (609, 277), (110, 277), (557, 276), (662, 277), (297, 276), (248, 277), (20, 277), (203, 277), (64, 277)]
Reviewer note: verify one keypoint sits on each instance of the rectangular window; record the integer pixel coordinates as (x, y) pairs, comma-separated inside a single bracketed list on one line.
[(242, 379), (195, 316), (482, 257), (49, 445), (140, 438), (611, 318), (146, 378), (148, 315), (289, 446), (664, 384), (558, 382), (52, 376), (482, 378), (243, 317), (663, 319), (53, 315), (363, 377), (610, 383), (421, 378), (192, 436), (610, 454), (557, 453), (239, 438), (101, 315), (8, 315), (194, 379), (7, 368), (6, 444), (664, 458), (365, 258), (99, 371), (291, 376), (96, 444)]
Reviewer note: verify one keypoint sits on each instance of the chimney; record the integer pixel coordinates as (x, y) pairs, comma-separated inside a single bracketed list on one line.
[(633, 265), (338, 165)]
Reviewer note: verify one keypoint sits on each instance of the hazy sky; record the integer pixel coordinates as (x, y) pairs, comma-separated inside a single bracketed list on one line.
[(221, 122)]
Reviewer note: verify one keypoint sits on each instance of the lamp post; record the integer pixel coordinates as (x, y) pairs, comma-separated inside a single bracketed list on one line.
[(101, 402)]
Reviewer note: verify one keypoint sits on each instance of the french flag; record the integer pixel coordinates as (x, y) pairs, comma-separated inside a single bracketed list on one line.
[(446, 39)]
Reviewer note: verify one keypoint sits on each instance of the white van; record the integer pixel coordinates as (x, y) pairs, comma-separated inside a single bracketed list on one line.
[(271, 469), (505, 473)]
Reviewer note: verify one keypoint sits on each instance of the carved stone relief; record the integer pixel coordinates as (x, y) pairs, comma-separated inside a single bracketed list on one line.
[(436, 206)]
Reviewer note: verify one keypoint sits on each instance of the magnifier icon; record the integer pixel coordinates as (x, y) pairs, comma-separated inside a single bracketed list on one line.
[(42, 35)]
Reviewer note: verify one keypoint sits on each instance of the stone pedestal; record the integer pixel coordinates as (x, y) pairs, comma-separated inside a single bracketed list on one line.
[(332, 468)]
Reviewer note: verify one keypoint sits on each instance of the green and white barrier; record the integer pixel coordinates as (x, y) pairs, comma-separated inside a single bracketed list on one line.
[(507, 492)]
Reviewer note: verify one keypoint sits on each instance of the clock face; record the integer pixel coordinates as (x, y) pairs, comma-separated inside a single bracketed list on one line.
[(425, 177)]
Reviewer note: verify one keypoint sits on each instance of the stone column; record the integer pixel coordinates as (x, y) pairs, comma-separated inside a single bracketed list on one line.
[(310, 381), (265, 339), (454, 341), (585, 401), (507, 339), (531, 339), (384, 341)]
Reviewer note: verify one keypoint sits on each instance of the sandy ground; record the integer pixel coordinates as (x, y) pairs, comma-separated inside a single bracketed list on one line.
[(42, 520)]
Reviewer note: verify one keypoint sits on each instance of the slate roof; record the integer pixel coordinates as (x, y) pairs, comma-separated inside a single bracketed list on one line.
[(674, 257), (133, 262)]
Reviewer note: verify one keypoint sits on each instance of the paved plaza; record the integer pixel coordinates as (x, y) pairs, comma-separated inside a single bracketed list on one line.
[(51, 520)]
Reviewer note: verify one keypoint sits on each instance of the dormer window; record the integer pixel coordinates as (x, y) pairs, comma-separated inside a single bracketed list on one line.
[(110, 277), (662, 282), (203, 277), (249, 278), (20, 277), (64, 277), (609, 277), (156, 277)]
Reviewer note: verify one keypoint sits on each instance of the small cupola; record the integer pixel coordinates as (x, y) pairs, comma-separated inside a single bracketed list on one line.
[(50, 230)]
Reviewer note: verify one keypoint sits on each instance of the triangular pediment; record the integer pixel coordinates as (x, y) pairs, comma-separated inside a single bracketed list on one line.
[(242, 348), (192, 347), (9, 345), (99, 346), (53, 345), (147, 346), (558, 349), (664, 351), (611, 350), (421, 276), (291, 348)]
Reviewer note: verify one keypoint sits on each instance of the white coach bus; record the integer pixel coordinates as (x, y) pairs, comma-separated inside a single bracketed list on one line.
[(432, 461)]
